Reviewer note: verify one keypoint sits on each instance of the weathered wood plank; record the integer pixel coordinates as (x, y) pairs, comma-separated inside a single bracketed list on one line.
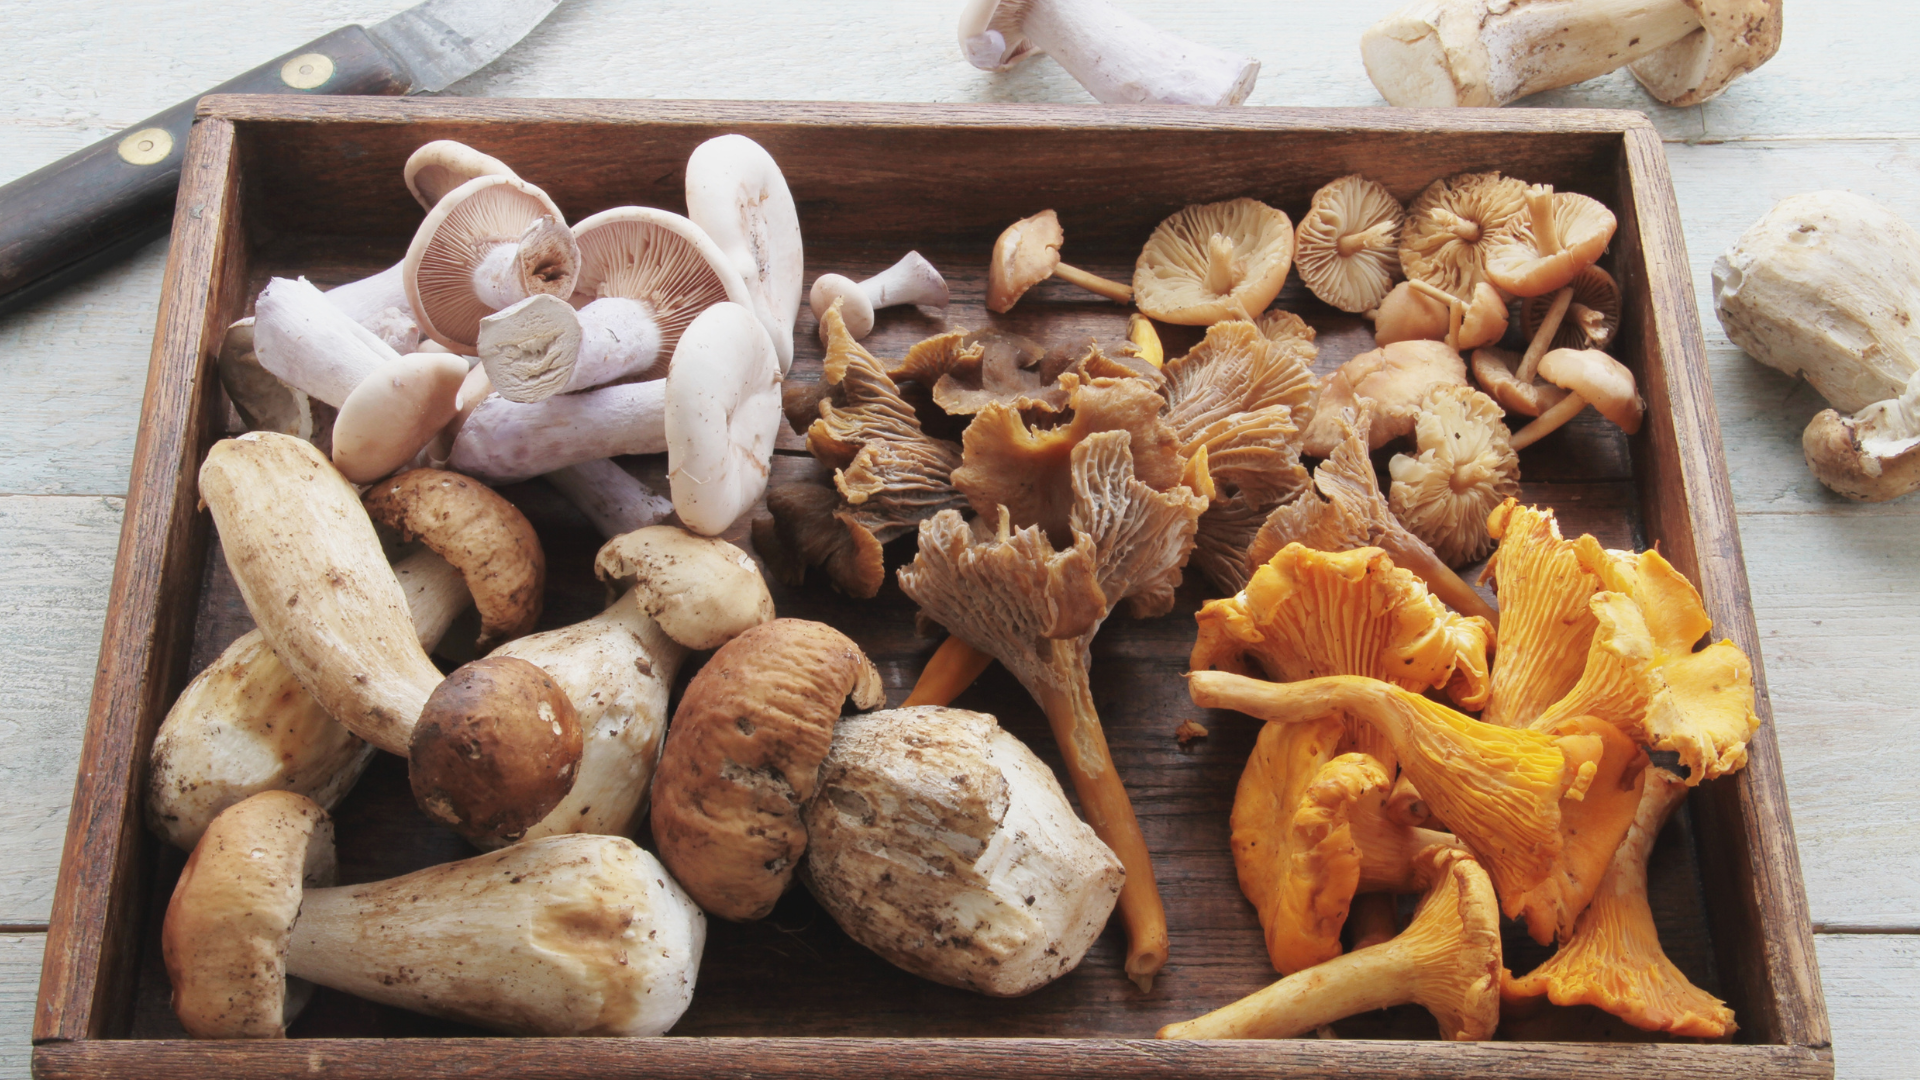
[(19, 976), (1872, 981), (53, 587)]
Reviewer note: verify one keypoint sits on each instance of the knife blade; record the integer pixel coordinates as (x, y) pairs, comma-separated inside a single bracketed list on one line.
[(69, 219)]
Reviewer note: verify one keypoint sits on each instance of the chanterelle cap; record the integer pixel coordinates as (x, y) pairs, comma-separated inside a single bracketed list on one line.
[(232, 914), (1214, 261)]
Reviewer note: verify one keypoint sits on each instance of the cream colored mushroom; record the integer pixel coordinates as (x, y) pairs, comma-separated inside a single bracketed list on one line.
[(722, 414), (912, 280), (1348, 244), (491, 242), (504, 442), (1463, 468), (1395, 379), (1451, 226), (1494, 370), (1214, 261), (1417, 311), (737, 194), (394, 413), (1023, 887), (1027, 252), (311, 345), (565, 935), (1441, 53), (1873, 455), (1590, 377), (1118, 58), (438, 167)]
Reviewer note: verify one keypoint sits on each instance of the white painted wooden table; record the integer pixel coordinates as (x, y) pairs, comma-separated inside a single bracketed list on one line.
[(1835, 586)]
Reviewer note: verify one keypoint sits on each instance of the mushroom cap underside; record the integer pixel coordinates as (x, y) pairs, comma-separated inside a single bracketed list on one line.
[(1450, 226), (1214, 261), (461, 232), (660, 259), (1348, 244)]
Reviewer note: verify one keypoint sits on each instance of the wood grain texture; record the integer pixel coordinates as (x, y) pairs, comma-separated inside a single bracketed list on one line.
[(1875, 978), (19, 968), (52, 584)]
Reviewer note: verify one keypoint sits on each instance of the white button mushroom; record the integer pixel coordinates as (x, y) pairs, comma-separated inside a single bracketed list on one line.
[(644, 275), (1118, 58), (565, 935), (722, 414), (912, 280), (1441, 53), (736, 193)]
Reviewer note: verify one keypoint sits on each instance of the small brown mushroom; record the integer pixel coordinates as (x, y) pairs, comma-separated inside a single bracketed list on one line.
[(1415, 310), (1463, 469), (1214, 261), (1869, 456), (474, 727), (1593, 313), (743, 757), (1493, 369), (1027, 253), (1590, 377), (1348, 244), (1451, 225), (1392, 380)]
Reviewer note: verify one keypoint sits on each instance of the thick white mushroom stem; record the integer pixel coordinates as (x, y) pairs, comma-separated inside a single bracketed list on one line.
[(565, 935), (1118, 58), (1445, 53), (313, 345), (912, 280), (615, 500), (1548, 422), (511, 272), (540, 346), (380, 304), (504, 442)]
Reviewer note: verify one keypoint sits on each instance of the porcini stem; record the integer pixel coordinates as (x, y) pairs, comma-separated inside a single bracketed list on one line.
[(1361, 981), (1543, 335), (1112, 290), (950, 670), (1104, 803), (1548, 422)]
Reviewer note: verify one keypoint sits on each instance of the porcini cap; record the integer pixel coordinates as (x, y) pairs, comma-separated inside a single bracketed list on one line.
[(442, 165), (394, 412), (232, 914), (1348, 244), (1214, 261), (465, 229), (1605, 382), (495, 750), (1024, 255), (1449, 226), (702, 591), (481, 534), (1735, 36), (661, 259)]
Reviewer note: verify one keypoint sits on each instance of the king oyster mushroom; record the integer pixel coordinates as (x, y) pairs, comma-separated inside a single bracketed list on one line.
[(564, 935), (308, 564), (942, 843), (737, 195)]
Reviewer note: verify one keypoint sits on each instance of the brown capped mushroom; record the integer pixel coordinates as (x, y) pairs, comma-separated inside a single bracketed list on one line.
[(1348, 244), (1415, 310), (1214, 261), (1868, 456), (1494, 370), (484, 536), (1591, 377), (1451, 225), (1545, 248), (1462, 469), (1027, 253), (489, 243), (1393, 380), (743, 758), (1593, 313)]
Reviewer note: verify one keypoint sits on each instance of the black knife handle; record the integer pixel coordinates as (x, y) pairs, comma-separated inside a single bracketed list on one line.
[(62, 221)]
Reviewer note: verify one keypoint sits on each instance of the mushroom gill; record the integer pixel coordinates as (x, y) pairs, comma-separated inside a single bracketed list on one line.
[(1462, 469)]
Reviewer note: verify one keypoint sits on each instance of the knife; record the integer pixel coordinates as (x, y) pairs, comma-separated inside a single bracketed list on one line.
[(67, 220)]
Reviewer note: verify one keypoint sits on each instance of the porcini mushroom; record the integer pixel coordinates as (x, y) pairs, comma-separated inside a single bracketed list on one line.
[(722, 414), (1614, 960), (1348, 244), (1027, 252), (491, 242), (737, 195), (1394, 380), (1442, 53), (1447, 961), (1118, 58), (1868, 456), (491, 543), (644, 275), (305, 557), (1214, 261), (743, 757), (912, 280), (1009, 593), (565, 935), (942, 843), (1462, 468), (1451, 225), (1590, 377)]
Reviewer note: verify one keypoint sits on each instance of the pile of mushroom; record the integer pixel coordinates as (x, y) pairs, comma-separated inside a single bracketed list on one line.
[(1549, 800), (1822, 287)]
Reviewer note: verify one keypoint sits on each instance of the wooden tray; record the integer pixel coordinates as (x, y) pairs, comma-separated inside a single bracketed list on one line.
[(283, 186)]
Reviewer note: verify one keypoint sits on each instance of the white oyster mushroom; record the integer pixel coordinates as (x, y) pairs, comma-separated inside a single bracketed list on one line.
[(722, 415), (1826, 286), (942, 843), (1118, 58), (737, 195)]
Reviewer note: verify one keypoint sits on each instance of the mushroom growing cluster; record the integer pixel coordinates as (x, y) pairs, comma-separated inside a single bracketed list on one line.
[(1548, 794)]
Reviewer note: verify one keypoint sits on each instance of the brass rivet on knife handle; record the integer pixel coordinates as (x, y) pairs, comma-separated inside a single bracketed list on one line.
[(148, 146), (306, 71)]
